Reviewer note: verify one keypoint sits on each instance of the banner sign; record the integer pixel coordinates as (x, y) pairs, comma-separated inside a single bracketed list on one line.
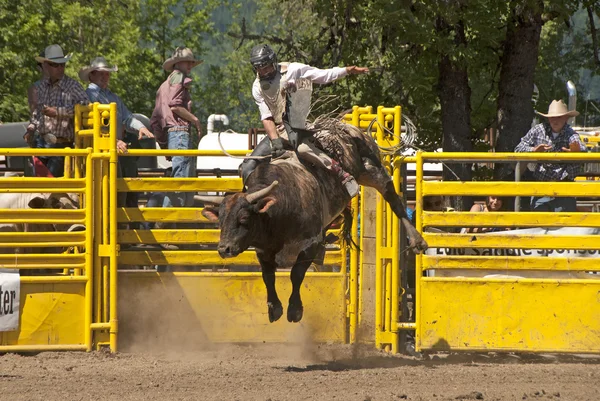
[(552, 253), (10, 286), (521, 252)]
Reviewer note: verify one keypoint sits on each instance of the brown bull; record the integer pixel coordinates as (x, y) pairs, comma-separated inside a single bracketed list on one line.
[(289, 204)]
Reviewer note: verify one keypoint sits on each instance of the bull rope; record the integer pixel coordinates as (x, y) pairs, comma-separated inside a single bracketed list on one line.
[(237, 157), (405, 142)]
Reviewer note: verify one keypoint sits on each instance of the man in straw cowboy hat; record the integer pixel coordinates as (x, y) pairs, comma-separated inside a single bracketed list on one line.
[(57, 96), (129, 129), (172, 119), (555, 135)]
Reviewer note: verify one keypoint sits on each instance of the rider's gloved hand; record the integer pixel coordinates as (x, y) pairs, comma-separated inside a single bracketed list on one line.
[(277, 148)]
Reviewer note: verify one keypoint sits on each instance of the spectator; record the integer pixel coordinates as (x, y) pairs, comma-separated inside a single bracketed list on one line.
[(492, 204), (172, 119), (57, 96), (555, 135), (129, 129), (31, 136)]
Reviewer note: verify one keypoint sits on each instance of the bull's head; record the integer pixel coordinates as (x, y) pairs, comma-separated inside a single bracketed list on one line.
[(239, 217), (57, 201)]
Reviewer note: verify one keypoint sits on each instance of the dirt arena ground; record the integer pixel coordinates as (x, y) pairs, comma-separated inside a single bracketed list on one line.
[(295, 372)]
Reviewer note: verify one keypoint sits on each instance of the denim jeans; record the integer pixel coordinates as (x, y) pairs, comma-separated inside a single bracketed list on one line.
[(552, 204), (56, 164), (183, 167)]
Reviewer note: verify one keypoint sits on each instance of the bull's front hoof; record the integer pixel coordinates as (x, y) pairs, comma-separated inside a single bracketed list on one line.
[(294, 313), (275, 311)]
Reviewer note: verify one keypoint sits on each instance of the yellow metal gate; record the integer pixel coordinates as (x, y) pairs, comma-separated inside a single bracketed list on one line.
[(503, 291)]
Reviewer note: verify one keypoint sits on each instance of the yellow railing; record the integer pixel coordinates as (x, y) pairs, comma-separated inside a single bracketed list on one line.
[(385, 126), (501, 290)]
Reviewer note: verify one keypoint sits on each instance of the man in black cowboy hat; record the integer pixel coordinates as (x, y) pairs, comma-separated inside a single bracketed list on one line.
[(553, 136), (57, 96)]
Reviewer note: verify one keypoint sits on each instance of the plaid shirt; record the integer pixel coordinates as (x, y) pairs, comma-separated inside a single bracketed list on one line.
[(63, 95), (542, 134)]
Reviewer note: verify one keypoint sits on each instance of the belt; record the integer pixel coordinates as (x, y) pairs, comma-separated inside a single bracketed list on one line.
[(179, 128), (64, 140)]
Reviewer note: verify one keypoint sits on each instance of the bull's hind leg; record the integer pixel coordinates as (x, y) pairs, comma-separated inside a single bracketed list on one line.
[(376, 177), (275, 309), (306, 257)]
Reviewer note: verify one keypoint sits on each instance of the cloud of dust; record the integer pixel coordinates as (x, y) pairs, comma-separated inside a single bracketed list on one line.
[(156, 318)]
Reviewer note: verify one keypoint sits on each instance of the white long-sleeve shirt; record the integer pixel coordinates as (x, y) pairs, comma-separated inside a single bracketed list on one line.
[(294, 72)]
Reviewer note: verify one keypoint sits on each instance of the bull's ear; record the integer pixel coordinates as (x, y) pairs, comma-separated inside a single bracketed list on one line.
[(37, 203), (264, 204), (55, 203), (211, 213)]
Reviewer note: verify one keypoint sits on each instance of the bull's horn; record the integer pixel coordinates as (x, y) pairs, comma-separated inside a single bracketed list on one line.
[(213, 200), (254, 196)]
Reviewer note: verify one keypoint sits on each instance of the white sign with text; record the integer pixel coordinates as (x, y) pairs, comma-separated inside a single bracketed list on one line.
[(10, 292), (508, 252)]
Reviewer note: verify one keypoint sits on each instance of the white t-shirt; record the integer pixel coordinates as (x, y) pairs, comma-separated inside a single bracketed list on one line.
[(295, 71)]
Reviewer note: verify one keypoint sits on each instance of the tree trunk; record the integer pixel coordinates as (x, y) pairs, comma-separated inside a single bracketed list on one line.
[(515, 89), (455, 101)]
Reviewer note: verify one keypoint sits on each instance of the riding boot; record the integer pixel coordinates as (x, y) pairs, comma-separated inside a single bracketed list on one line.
[(346, 178), (247, 167)]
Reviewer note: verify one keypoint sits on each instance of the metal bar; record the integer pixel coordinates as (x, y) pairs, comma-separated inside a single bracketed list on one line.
[(100, 326), (105, 235), (53, 279), (226, 275), (189, 153), (395, 246), (113, 232), (502, 188), (40, 152), (179, 184), (199, 236), (42, 215), (556, 281), (419, 258), (44, 244), (42, 264), (353, 320), (201, 258), (89, 247), (507, 219), (379, 277), (42, 348), (463, 157), (495, 241), (361, 272), (518, 179), (387, 315), (51, 259), (514, 263), (97, 270)]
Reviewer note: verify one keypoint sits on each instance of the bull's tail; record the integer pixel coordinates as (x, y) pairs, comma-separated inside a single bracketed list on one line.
[(347, 229)]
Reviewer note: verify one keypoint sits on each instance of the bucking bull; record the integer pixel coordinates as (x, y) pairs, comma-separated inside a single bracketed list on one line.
[(289, 204)]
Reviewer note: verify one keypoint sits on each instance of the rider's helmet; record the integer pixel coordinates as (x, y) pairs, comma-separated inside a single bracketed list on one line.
[(261, 56)]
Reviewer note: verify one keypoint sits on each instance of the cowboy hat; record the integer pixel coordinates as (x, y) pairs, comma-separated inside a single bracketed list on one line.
[(558, 109), (180, 54), (53, 54), (97, 64)]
